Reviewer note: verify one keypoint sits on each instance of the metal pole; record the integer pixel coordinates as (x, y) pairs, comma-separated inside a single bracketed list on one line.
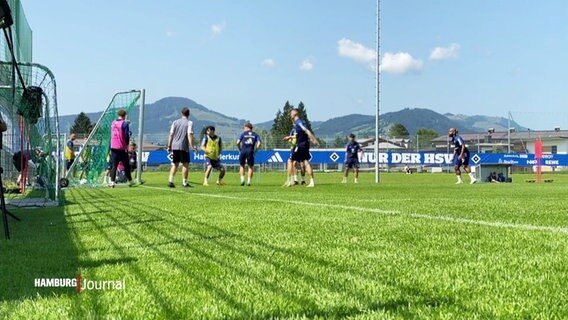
[(140, 137), (417, 143), (509, 133), (377, 76)]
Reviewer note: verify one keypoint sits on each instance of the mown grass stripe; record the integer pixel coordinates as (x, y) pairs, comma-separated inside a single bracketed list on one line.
[(447, 218)]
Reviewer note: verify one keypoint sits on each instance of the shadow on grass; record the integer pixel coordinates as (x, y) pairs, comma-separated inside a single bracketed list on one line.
[(82, 198), (40, 247), (408, 295)]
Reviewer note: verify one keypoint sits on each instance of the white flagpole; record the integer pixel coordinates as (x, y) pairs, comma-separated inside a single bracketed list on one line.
[(377, 174)]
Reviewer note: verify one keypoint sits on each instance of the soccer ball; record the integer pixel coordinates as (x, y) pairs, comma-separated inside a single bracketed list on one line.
[(83, 181)]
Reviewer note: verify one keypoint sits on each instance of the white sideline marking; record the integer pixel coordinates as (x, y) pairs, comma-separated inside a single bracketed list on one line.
[(494, 224)]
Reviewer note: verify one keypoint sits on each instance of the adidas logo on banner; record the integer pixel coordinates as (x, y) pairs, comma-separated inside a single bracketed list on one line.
[(276, 158)]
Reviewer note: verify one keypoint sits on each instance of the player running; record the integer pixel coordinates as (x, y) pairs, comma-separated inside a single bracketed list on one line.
[(461, 156), (212, 146), (248, 143), (301, 153), (352, 154)]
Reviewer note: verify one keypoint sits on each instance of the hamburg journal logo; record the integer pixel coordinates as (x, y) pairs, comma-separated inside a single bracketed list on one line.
[(80, 284)]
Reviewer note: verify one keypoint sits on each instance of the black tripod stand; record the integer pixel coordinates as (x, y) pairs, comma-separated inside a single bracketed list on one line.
[(5, 212)]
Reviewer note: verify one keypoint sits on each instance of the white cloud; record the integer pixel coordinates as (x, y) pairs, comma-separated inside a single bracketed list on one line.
[(444, 53), (269, 63), (399, 63), (307, 65), (169, 34), (356, 51), (217, 29)]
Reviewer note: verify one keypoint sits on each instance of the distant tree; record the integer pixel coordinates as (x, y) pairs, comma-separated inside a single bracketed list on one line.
[(304, 115), (82, 124), (425, 137), (398, 131), (339, 142), (282, 122)]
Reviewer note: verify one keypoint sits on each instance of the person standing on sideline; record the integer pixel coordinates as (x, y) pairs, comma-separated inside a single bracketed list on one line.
[(461, 156), (212, 146), (248, 143), (180, 141), (70, 151), (119, 138), (352, 154), (301, 153)]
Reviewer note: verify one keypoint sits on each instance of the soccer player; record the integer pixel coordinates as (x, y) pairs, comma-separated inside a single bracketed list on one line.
[(70, 151), (132, 157), (212, 146), (292, 139), (119, 138), (179, 142), (301, 153), (352, 154), (248, 143), (461, 156)]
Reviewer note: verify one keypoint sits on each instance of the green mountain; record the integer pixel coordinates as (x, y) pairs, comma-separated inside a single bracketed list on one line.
[(160, 114), (413, 119)]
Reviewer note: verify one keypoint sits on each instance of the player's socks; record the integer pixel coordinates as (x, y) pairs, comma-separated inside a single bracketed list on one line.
[(296, 178), (248, 181), (312, 184), (356, 180), (344, 180), (459, 180), (171, 179), (472, 177)]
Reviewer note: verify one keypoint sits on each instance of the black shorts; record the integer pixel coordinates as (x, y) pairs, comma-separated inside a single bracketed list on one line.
[(68, 163), (180, 156), (464, 162), (352, 163), (301, 153), (246, 157)]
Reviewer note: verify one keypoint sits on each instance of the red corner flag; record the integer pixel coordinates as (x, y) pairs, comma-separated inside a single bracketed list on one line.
[(538, 157)]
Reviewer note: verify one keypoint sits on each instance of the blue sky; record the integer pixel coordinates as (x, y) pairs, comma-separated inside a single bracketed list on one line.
[(246, 58)]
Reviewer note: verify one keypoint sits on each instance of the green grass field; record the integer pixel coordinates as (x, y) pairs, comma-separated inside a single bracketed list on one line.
[(414, 246)]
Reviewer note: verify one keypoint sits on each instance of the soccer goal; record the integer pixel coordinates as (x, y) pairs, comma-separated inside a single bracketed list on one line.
[(91, 162), (30, 146)]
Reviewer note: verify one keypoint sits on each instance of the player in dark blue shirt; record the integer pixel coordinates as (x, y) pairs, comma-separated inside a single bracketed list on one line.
[(291, 138), (461, 156), (352, 153), (248, 143), (301, 153)]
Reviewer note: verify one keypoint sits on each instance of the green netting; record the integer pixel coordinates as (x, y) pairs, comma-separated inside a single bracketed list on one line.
[(21, 34), (91, 162), (35, 135)]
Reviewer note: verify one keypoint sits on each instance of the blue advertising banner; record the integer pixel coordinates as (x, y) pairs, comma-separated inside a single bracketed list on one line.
[(390, 158)]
